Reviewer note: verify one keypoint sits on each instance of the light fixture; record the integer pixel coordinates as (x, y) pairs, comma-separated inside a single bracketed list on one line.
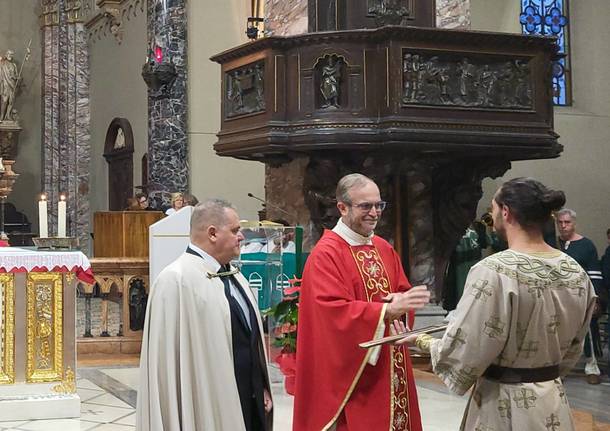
[(252, 29)]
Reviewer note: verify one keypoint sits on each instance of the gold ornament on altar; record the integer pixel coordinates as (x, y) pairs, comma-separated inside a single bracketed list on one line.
[(7, 288), (68, 385), (44, 327)]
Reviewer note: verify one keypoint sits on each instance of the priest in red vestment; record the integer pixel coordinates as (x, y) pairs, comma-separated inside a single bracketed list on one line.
[(353, 287)]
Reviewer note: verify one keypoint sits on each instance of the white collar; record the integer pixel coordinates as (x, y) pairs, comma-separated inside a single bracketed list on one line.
[(351, 237), (206, 257)]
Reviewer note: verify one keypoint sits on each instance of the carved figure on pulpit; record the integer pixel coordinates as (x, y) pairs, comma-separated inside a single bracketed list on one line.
[(236, 94), (412, 69), (523, 89), (9, 76), (137, 304), (486, 84), (331, 78), (437, 74), (259, 85), (506, 76), (466, 73), (388, 12)]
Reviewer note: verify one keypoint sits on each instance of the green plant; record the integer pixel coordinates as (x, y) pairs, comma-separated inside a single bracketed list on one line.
[(285, 315)]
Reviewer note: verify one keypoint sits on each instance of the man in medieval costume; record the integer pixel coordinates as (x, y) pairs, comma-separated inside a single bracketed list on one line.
[(203, 364), (520, 324), (353, 285)]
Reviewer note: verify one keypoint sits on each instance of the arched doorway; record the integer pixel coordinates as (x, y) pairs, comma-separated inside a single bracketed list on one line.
[(118, 152)]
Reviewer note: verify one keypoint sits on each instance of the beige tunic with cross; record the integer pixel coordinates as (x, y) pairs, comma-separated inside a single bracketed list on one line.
[(519, 311)]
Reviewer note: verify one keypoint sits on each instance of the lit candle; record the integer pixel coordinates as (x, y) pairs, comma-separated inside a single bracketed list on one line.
[(61, 217), (42, 217)]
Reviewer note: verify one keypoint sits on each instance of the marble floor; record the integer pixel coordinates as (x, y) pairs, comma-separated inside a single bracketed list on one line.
[(108, 398)]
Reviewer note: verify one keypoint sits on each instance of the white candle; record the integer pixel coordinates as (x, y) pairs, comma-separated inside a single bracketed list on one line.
[(42, 217), (61, 217)]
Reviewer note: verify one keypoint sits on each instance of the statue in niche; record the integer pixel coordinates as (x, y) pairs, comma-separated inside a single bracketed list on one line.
[(137, 304), (119, 141), (9, 77), (331, 78)]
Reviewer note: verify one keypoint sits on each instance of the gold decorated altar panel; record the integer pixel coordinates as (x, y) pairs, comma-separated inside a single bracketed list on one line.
[(7, 330), (44, 327), (38, 332)]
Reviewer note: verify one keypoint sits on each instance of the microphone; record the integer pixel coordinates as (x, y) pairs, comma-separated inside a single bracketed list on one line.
[(275, 207)]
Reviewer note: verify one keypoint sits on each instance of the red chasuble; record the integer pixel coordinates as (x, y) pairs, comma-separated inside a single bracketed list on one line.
[(340, 306)]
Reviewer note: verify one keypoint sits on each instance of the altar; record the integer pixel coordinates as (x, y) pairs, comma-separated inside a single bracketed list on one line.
[(37, 318)]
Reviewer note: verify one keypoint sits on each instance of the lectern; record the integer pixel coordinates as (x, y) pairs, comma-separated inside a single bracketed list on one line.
[(122, 233), (120, 266)]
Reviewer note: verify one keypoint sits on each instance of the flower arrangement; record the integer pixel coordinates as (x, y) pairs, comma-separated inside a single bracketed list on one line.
[(285, 314)]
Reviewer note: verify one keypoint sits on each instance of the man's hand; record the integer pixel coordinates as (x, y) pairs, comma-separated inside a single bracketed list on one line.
[(398, 327), (400, 303), (268, 402)]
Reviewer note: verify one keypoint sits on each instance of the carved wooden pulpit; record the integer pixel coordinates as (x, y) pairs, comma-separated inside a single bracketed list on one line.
[(375, 88)]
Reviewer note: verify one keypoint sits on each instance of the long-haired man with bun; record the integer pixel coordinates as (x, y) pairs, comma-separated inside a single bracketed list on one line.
[(520, 324)]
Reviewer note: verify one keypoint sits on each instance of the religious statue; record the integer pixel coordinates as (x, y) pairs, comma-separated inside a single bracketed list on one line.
[(137, 304), (466, 73), (523, 89), (119, 141), (438, 74), (388, 12), (9, 76), (259, 85), (236, 94), (486, 84), (411, 68), (331, 77)]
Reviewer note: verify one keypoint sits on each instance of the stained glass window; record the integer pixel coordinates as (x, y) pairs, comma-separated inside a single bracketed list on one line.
[(550, 18)]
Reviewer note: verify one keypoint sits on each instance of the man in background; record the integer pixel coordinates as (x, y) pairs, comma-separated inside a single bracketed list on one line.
[(583, 251)]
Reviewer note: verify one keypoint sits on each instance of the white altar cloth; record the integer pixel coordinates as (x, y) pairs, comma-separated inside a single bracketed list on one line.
[(13, 259)]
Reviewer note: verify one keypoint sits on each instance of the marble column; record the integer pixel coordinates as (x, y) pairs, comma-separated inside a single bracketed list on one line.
[(420, 226), (285, 17), (454, 14), (66, 151), (168, 169)]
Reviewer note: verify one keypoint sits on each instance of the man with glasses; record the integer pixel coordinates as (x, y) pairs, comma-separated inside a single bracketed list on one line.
[(353, 286)]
